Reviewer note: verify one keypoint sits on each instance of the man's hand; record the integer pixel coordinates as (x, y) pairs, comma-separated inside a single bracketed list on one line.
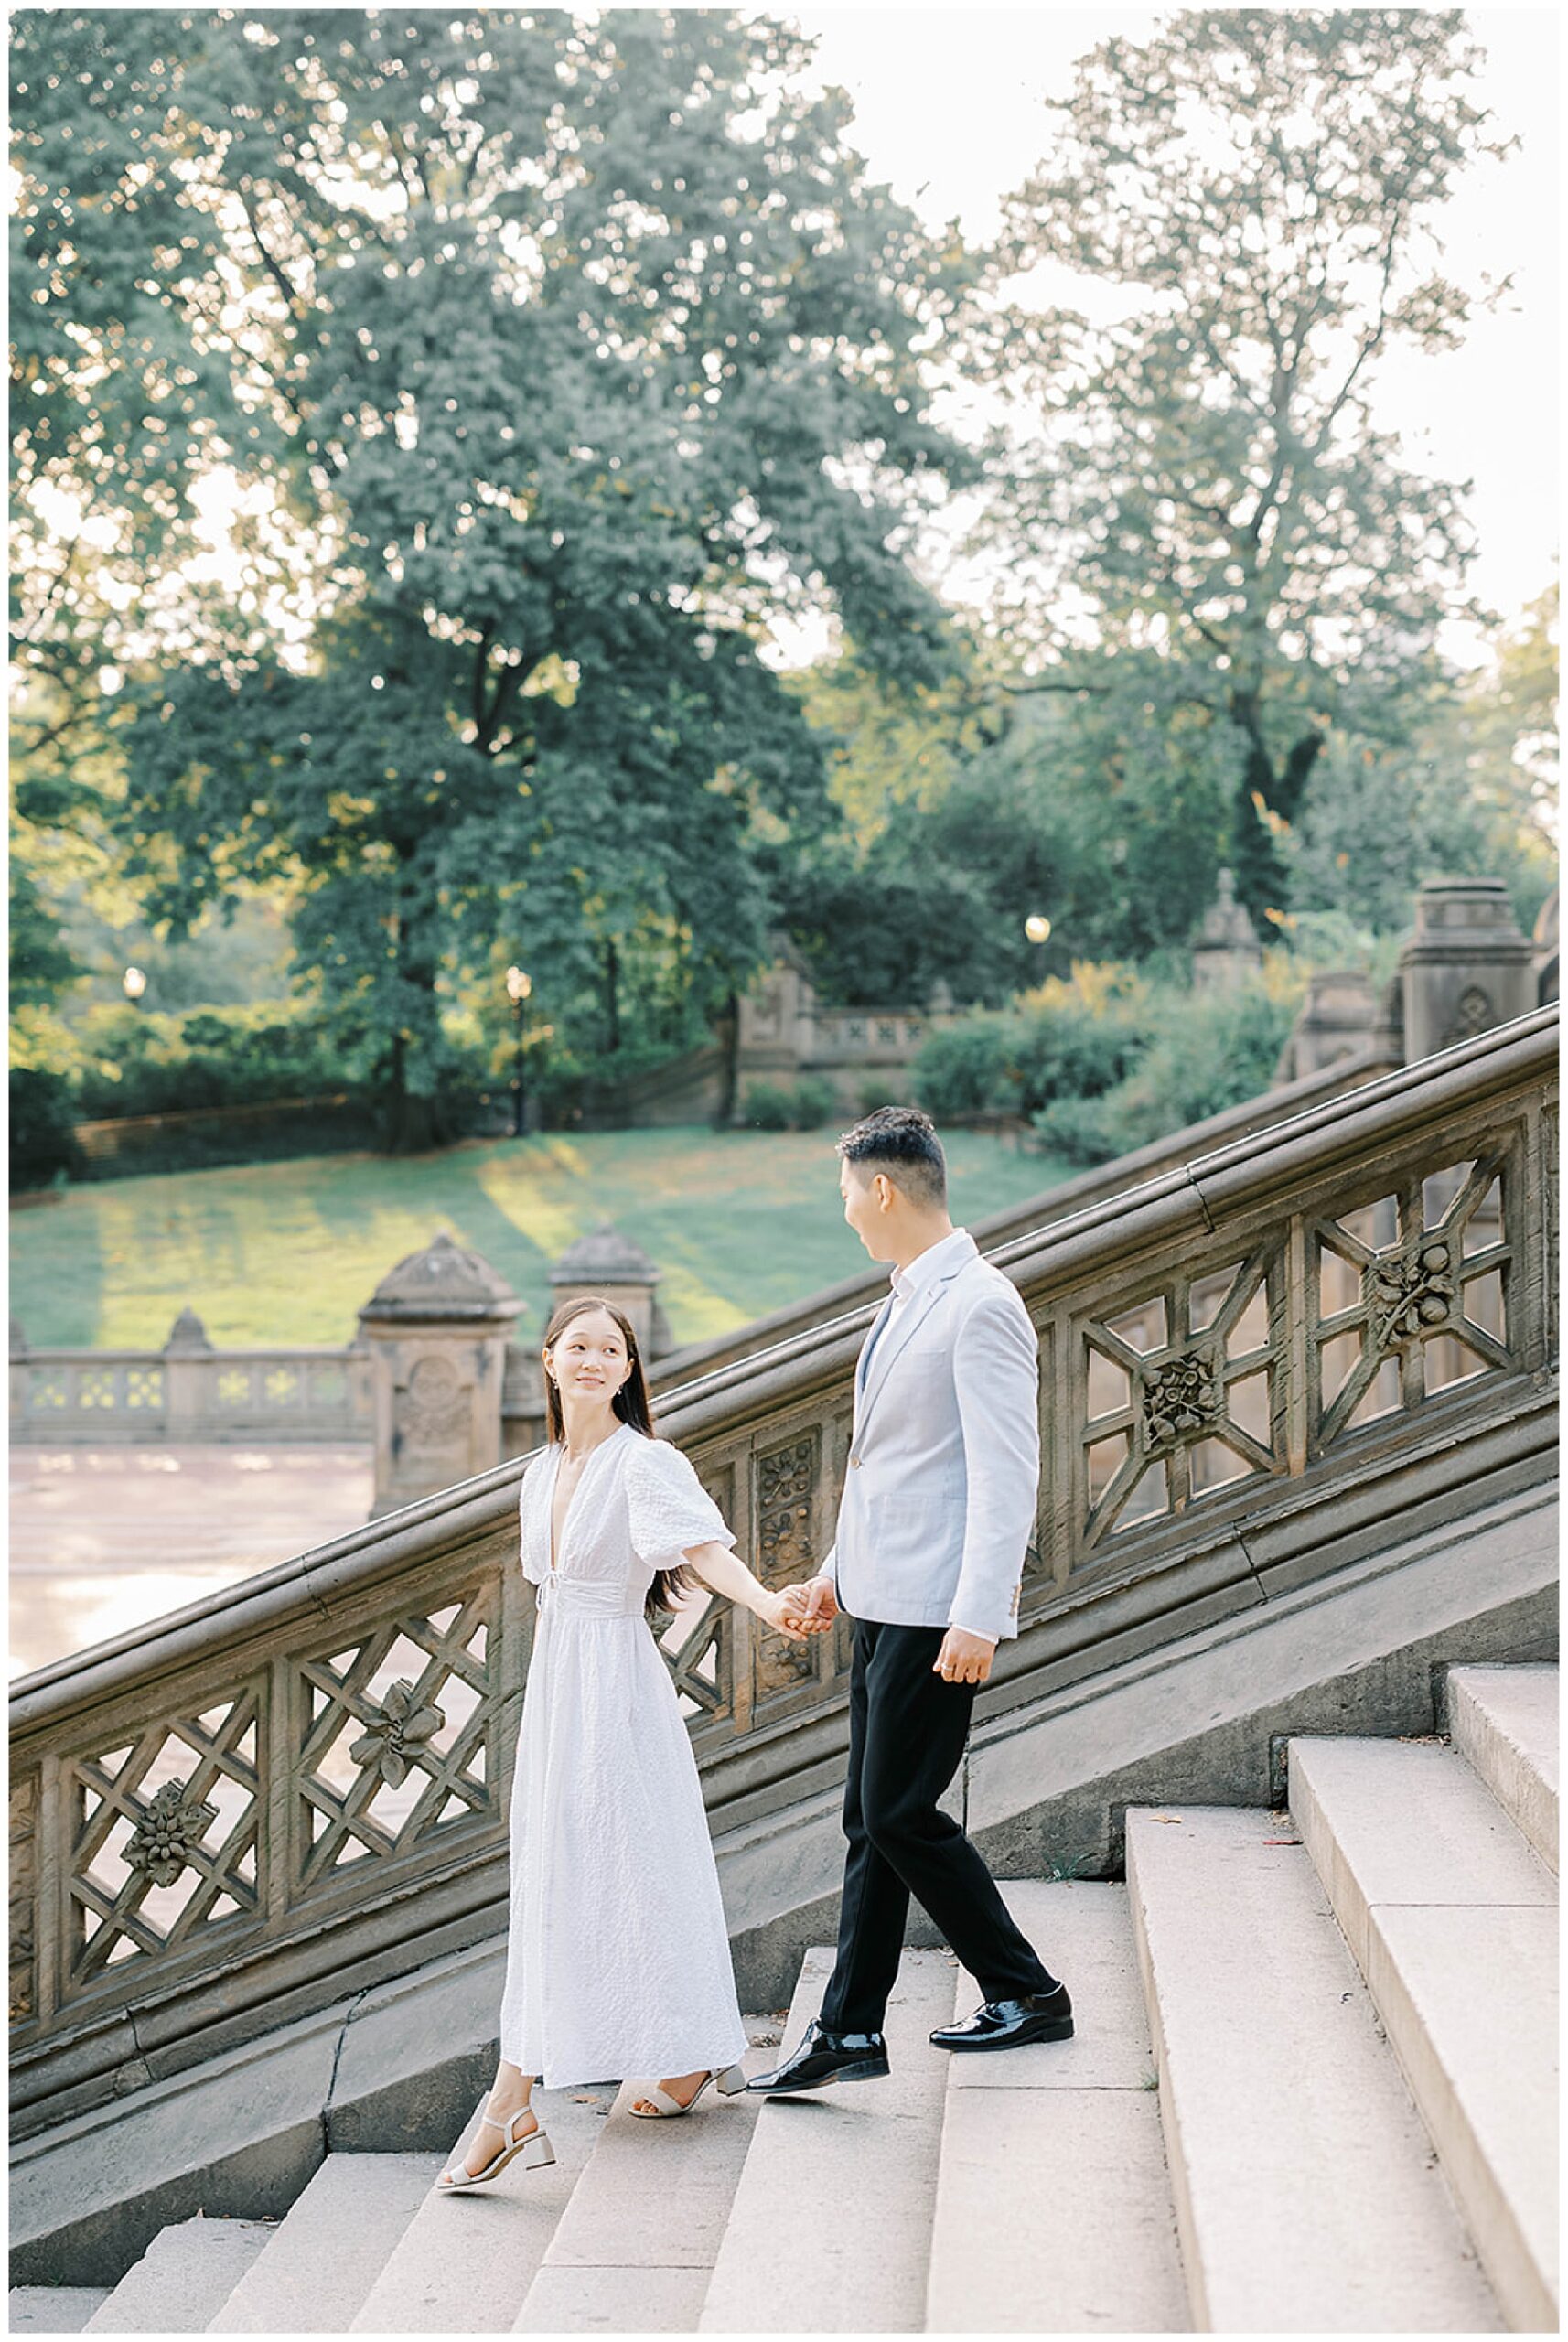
[(813, 1604), (965, 1657)]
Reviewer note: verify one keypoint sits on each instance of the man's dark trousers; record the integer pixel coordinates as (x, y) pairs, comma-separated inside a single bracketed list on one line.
[(907, 1732)]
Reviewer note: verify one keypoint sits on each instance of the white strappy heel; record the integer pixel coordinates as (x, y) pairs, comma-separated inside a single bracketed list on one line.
[(661, 2106), (535, 2149)]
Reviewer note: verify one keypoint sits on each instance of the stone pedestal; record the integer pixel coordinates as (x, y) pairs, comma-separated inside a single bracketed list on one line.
[(1465, 968), (607, 1263), (18, 1375), (1226, 952), (188, 1376), (1343, 1011), (436, 1328), (1545, 941)]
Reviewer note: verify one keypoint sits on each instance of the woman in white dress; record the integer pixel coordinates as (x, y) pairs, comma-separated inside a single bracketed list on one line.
[(618, 1956)]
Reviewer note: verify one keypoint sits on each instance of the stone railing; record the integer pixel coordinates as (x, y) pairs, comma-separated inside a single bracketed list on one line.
[(312, 1392), (1350, 1070), (865, 1036), (298, 1786)]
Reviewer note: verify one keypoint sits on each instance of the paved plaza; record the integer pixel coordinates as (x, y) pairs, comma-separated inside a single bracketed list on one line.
[(105, 1539)]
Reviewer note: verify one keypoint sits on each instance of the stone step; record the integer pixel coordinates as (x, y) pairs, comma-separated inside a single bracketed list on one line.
[(1053, 2202), (1452, 1920), (184, 2278), (830, 2230), (328, 2249), (635, 2248), (52, 2309), (464, 2263), (1307, 2197), (1504, 1721)]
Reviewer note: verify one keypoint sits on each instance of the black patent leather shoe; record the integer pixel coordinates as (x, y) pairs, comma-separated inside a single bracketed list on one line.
[(823, 2057), (1007, 2024)]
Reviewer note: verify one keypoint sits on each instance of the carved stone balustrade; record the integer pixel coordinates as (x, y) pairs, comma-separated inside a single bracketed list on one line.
[(1246, 1363)]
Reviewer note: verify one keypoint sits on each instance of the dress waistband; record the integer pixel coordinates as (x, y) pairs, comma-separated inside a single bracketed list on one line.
[(580, 1597)]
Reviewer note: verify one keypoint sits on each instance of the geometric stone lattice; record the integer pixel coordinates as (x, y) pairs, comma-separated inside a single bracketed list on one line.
[(1411, 1294), (396, 1743), (1177, 1395), (23, 1896), (165, 1833)]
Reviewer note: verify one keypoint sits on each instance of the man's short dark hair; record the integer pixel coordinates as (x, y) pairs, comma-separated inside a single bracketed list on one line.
[(903, 1142)]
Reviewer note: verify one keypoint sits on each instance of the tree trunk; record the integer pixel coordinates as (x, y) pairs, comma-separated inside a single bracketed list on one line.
[(729, 1086), (1262, 881), (410, 1123), (612, 996)]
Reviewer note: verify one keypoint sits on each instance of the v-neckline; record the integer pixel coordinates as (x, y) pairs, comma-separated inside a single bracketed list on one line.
[(554, 1546)]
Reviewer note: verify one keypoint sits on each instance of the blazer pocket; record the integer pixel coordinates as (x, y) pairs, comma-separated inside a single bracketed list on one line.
[(906, 1528)]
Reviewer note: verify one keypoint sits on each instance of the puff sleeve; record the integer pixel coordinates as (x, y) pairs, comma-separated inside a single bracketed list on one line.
[(668, 1508)]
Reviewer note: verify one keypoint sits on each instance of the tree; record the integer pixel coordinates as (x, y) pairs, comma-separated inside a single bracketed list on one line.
[(559, 358), (1471, 788), (1196, 486)]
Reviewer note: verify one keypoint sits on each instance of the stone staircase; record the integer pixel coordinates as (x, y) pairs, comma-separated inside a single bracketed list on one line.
[(1313, 2089)]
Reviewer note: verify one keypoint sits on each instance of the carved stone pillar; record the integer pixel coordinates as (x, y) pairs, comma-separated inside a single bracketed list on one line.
[(18, 1375), (607, 1263), (436, 1328), (1465, 968), (1545, 941), (188, 1376), (1226, 953)]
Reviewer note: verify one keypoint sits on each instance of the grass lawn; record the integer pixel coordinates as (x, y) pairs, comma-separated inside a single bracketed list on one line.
[(739, 1221)]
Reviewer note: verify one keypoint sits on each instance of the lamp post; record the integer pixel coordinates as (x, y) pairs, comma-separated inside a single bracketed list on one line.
[(519, 985), (133, 983)]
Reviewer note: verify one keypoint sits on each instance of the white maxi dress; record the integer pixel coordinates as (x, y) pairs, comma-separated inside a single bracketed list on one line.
[(617, 1955)]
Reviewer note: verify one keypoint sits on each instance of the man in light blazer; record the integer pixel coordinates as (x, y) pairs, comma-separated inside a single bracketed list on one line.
[(937, 1509)]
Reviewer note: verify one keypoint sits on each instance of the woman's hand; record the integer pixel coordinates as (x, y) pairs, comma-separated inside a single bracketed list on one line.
[(782, 1613)]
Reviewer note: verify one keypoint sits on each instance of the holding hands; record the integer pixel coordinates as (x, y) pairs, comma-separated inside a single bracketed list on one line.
[(808, 1607)]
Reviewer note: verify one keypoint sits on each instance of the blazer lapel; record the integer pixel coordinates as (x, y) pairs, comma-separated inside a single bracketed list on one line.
[(873, 1341), (892, 1341)]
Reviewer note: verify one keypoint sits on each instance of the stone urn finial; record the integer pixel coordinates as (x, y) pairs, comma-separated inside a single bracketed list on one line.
[(187, 1337), (608, 1262), (1226, 950), (436, 1329), (442, 1281)]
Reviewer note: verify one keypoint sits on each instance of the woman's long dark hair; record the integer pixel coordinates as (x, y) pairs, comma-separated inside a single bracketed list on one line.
[(630, 1402)]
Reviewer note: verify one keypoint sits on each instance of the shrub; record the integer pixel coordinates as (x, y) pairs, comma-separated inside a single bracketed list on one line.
[(43, 1145), (767, 1107), (873, 1094), (136, 1061), (966, 1068), (1205, 1051), (812, 1103)]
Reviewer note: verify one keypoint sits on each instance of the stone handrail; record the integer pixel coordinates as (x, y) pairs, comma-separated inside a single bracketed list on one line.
[(300, 1784), (1076, 1195)]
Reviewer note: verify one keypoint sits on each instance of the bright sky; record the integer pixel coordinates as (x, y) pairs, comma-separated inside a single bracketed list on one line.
[(948, 107)]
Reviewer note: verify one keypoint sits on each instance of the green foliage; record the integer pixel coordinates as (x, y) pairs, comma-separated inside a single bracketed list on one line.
[(966, 1069), (43, 1148), (134, 1061), (529, 705), (1204, 1051), (811, 1105), (1072, 1037), (768, 1106), (1109, 1060), (1198, 487)]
